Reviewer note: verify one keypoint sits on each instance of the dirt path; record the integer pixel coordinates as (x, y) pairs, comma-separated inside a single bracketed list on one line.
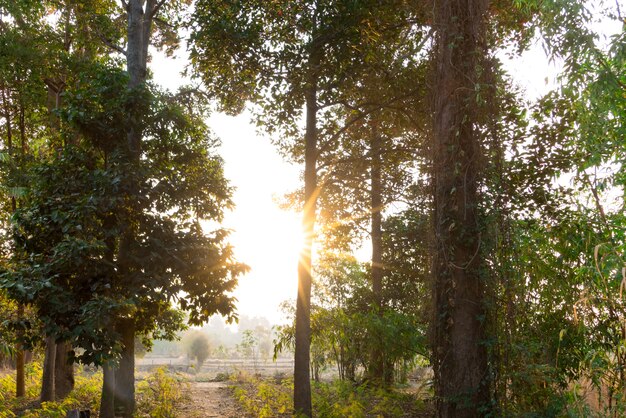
[(210, 400)]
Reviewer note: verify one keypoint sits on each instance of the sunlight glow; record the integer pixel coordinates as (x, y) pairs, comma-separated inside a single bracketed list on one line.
[(265, 237)]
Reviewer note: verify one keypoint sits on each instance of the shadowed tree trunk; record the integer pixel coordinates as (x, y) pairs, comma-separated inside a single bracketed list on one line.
[(139, 32), (63, 371), (20, 375), (302, 375), (125, 374), (47, 380), (460, 357), (107, 399), (20, 382)]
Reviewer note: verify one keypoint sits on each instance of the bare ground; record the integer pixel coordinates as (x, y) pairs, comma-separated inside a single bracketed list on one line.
[(210, 399)]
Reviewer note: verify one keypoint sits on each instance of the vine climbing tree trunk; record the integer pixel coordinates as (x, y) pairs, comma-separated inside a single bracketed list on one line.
[(460, 357)]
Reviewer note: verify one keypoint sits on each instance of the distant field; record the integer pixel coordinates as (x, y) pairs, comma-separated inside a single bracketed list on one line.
[(215, 366)]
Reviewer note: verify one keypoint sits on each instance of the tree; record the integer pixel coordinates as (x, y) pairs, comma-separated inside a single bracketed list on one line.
[(199, 348), (70, 229), (460, 356), (43, 53), (375, 164), (554, 227), (249, 343), (294, 59), (141, 16), (20, 103)]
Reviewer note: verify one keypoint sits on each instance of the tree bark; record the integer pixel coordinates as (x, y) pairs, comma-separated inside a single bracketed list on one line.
[(139, 31), (136, 63), (20, 375), (47, 380), (63, 371), (125, 374), (460, 357), (107, 399), (377, 365), (302, 376), (20, 382)]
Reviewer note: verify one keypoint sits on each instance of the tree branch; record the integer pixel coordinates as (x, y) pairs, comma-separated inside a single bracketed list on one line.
[(160, 21), (156, 8), (361, 116), (112, 45)]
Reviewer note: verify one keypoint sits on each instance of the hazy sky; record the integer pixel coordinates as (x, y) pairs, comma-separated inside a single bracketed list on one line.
[(265, 237)]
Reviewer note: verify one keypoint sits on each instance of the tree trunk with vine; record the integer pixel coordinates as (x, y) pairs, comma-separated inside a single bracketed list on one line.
[(460, 356)]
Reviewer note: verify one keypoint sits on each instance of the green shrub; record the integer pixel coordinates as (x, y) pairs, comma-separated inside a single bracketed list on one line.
[(159, 395), (222, 377)]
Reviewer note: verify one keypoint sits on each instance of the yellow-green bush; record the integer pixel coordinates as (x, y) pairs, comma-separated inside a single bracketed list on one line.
[(265, 398), (159, 395), (262, 398), (8, 402), (86, 395)]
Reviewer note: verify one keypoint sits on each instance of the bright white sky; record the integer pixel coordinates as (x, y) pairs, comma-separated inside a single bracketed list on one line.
[(264, 236)]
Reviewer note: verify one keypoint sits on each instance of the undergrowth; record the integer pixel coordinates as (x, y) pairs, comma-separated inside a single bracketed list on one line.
[(269, 398), (157, 396), (85, 395)]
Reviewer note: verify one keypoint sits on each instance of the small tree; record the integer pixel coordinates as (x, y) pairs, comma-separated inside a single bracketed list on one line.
[(199, 349), (248, 345)]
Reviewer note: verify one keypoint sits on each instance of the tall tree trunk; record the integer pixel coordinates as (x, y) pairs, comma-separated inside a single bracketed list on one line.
[(302, 376), (139, 31), (20, 375), (377, 366), (125, 374), (460, 357), (107, 399), (22, 127), (136, 63), (20, 382), (63, 371), (47, 380)]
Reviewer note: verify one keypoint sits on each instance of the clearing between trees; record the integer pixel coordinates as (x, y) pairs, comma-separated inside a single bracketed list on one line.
[(210, 399)]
